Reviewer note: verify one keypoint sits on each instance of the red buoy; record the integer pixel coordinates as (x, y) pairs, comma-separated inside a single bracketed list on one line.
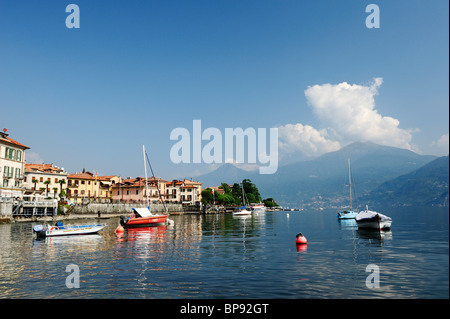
[(300, 239), (119, 229)]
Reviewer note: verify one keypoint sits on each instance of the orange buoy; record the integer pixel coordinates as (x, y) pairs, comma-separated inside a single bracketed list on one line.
[(119, 229), (300, 239)]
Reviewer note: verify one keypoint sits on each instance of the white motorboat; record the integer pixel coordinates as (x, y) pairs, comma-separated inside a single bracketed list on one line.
[(242, 212), (60, 230), (373, 220), (259, 208)]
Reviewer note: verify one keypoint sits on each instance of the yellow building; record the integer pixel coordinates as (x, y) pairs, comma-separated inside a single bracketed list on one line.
[(12, 166), (84, 188)]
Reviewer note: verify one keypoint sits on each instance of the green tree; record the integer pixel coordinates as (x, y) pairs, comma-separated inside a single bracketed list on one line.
[(61, 182), (207, 196), (270, 202), (47, 182), (251, 189), (236, 193), (35, 181), (225, 188)]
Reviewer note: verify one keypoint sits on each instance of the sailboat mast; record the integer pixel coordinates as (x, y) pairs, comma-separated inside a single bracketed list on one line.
[(157, 183), (243, 194), (146, 180), (350, 182)]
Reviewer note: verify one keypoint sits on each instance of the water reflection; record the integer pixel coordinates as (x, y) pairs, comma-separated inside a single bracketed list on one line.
[(224, 256), (374, 236)]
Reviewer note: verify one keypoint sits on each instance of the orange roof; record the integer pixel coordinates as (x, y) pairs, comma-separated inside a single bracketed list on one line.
[(138, 182), (4, 138), (47, 168), (88, 175)]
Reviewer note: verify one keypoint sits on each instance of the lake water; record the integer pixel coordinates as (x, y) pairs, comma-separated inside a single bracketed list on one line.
[(222, 256)]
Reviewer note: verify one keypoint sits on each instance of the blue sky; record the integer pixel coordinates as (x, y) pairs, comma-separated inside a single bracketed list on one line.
[(136, 70)]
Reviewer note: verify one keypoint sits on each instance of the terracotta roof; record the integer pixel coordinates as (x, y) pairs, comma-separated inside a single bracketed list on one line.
[(138, 181), (88, 175), (47, 168), (6, 139)]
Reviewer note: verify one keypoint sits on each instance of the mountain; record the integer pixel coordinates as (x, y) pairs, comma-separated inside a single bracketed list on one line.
[(426, 186), (226, 173), (321, 182)]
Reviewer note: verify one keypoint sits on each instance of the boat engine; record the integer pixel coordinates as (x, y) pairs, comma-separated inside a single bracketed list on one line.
[(39, 230), (123, 220)]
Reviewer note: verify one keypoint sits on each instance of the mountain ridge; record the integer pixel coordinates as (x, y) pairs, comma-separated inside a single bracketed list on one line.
[(320, 182)]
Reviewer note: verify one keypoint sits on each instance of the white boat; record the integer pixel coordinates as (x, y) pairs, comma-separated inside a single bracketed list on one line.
[(373, 220), (242, 211), (60, 230), (259, 208), (348, 213)]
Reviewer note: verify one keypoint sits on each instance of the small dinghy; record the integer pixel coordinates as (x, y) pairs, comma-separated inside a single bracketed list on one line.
[(60, 230), (372, 220)]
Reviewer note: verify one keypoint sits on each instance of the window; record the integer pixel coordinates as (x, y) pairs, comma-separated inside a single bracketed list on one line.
[(41, 179), (17, 173), (137, 192), (12, 154), (82, 182)]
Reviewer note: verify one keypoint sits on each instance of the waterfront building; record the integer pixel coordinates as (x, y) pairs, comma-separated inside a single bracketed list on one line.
[(12, 166), (186, 192), (45, 179), (86, 187), (133, 190)]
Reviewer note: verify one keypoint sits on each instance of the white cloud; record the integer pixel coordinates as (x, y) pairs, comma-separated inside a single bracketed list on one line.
[(33, 158), (350, 111), (347, 114), (305, 139), (441, 146)]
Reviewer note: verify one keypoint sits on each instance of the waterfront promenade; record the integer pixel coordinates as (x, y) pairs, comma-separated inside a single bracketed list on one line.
[(15, 211)]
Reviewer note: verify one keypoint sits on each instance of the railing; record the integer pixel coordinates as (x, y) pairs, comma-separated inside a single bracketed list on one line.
[(28, 209)]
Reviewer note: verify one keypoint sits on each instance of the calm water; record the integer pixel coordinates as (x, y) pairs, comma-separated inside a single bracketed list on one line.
[(221, 256)]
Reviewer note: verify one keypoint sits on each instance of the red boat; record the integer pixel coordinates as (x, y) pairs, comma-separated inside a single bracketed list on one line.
[(142, 217)]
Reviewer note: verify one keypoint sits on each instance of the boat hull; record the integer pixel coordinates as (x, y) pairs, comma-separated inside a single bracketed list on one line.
[(347, 214), (144, 221), (374, 223), (70, 231), (259, 209), (242, 212)]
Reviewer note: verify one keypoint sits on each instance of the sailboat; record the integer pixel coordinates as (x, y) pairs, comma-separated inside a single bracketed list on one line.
[(142, 217), (242, 211), (348, 214)]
